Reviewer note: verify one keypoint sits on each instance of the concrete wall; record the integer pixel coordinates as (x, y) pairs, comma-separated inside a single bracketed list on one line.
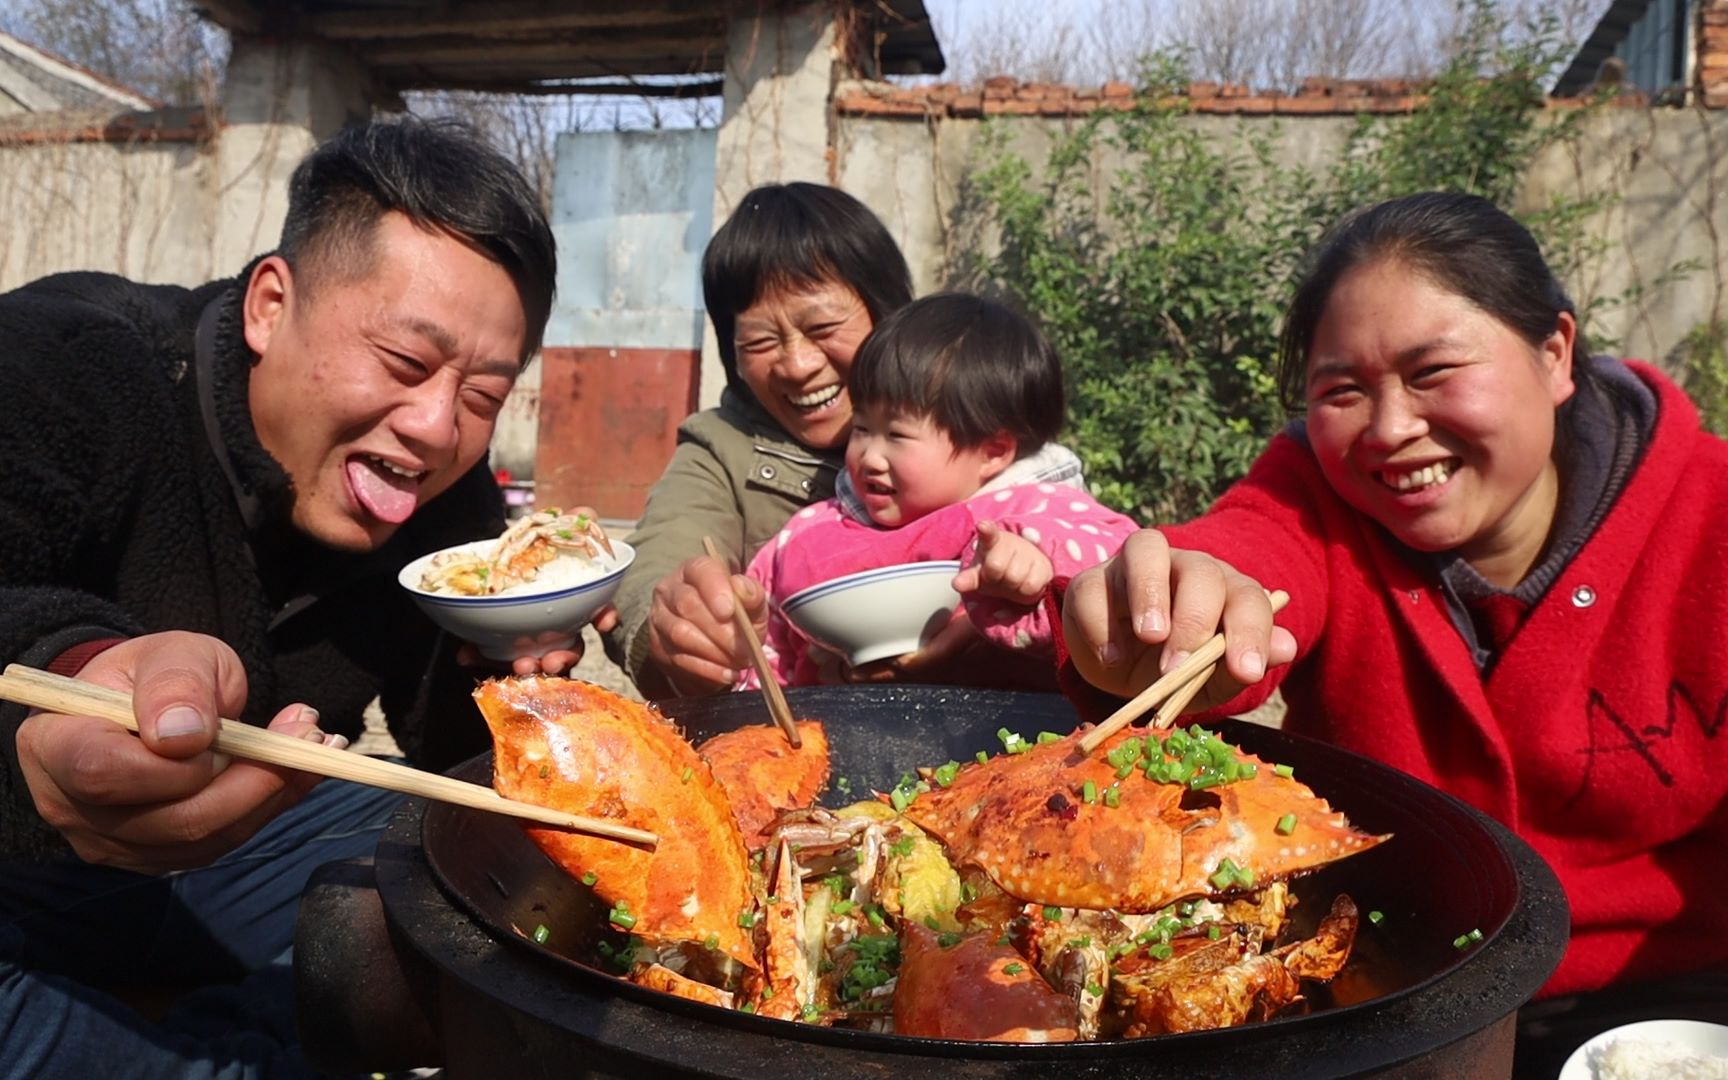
[(1664, 169), (136, 208)]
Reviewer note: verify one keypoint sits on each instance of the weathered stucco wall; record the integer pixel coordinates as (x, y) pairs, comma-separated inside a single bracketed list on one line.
[(1663, 170), (136, 208)]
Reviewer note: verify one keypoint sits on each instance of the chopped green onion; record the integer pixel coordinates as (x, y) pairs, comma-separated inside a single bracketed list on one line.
[(874, 914), (767, 993), (1013, 969), (967, 892), (931, 923), (945, 774), (713, 942), (1474, 936), (1048, 737), (842, 907), (541, 933), (901, 847), (1161, 951), (843, 785), (621, 918), (1286, 825), (947, 939), (590, 878), (1013, 741), (981, 757), (1213, 932), (1094, 989), (748, 1006), (746, 919), (545, 771), (689, 771), (1284, 771), (1052, 913), (1375, 917), (810, 1013), (1083, 942), (1089, 792), (1223, 877), (1113, 796), (566, 534)]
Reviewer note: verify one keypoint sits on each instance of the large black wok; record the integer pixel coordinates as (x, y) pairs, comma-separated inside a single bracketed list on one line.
[(463, 891)]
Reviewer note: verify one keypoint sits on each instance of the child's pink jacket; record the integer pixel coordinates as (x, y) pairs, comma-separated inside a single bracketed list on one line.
[(823, 542)]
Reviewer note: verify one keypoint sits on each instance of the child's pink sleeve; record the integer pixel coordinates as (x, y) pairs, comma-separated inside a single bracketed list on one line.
[(780, 643), (1072, 529)]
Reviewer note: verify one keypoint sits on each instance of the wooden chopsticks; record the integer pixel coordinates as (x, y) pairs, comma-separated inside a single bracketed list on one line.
[(777, 707), (1173, 691), (45, 690)]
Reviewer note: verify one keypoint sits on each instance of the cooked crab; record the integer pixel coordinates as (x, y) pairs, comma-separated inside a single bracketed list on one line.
[(577, 747), (1037, 896), (1123, 831), (765, 775)]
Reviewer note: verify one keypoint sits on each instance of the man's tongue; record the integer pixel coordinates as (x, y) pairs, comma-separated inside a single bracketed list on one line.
[(388, 496)]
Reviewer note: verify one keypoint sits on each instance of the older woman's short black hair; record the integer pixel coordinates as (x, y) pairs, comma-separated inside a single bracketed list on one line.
[(974, 366), (801, 236), (1462, 243), (439, 173)]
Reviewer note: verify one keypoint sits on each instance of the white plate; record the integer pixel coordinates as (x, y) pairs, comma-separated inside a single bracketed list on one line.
[(1695, 1036)]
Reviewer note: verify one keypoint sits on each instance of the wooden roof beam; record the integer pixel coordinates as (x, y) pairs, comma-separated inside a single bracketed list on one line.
[(520, 17)]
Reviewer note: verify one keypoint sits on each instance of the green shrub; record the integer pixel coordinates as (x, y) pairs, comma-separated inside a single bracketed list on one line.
[(1163, 284), (1704, 363)]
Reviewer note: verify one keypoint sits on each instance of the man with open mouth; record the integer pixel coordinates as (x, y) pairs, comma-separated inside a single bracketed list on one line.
[(207, 495)]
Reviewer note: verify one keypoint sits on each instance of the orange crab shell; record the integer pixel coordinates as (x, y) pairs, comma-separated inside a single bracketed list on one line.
[(764, 776), (1021, 818), (579, 748), (976, 990)]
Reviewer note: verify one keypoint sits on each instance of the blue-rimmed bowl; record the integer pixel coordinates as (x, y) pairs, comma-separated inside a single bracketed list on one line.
[(531, 619), (875, 614)]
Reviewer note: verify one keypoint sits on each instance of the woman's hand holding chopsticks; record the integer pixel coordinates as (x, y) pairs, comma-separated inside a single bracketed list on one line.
[(1141, 613), (161, 801)]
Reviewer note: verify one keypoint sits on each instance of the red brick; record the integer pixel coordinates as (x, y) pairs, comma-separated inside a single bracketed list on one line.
[(1201, 90), (1010, 107), (1000, 86), (1309, 104), (1115, 89)]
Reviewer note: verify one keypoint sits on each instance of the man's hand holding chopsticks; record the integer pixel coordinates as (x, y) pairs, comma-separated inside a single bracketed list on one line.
[(161, 801)]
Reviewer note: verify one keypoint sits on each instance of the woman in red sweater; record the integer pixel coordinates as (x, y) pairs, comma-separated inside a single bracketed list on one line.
[(1508, 570)]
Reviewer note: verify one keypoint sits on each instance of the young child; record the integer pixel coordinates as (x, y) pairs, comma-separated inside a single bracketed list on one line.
[(955, 402)]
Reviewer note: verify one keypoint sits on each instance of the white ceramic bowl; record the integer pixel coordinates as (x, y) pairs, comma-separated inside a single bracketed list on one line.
[(1695, 1037), (879, 613), (532, 619)]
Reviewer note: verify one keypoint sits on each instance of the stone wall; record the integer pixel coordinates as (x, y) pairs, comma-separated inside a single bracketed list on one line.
[(906, 151)]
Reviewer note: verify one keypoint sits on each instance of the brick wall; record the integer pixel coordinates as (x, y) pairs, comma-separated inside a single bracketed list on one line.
[(1007, 96), (1713, 53)]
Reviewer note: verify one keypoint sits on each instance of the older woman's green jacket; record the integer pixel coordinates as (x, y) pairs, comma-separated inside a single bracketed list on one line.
[(735, 476)]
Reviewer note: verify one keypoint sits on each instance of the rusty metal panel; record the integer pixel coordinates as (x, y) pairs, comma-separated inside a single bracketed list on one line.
[(608, 422)]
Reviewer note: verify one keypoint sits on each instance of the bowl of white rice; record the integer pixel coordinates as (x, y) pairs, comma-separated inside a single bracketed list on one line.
[(1669, 1049), (533, 618)]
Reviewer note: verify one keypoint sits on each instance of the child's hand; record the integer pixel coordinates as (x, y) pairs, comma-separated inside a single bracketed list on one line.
[(1008, 567)]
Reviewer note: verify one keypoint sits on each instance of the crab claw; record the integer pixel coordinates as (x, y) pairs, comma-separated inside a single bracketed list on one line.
[(975, 990), (576, 747), (786, 963), (764, 776)]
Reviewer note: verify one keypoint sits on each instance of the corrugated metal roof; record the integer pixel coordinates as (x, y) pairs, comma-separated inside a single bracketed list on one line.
[(34, 80)]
